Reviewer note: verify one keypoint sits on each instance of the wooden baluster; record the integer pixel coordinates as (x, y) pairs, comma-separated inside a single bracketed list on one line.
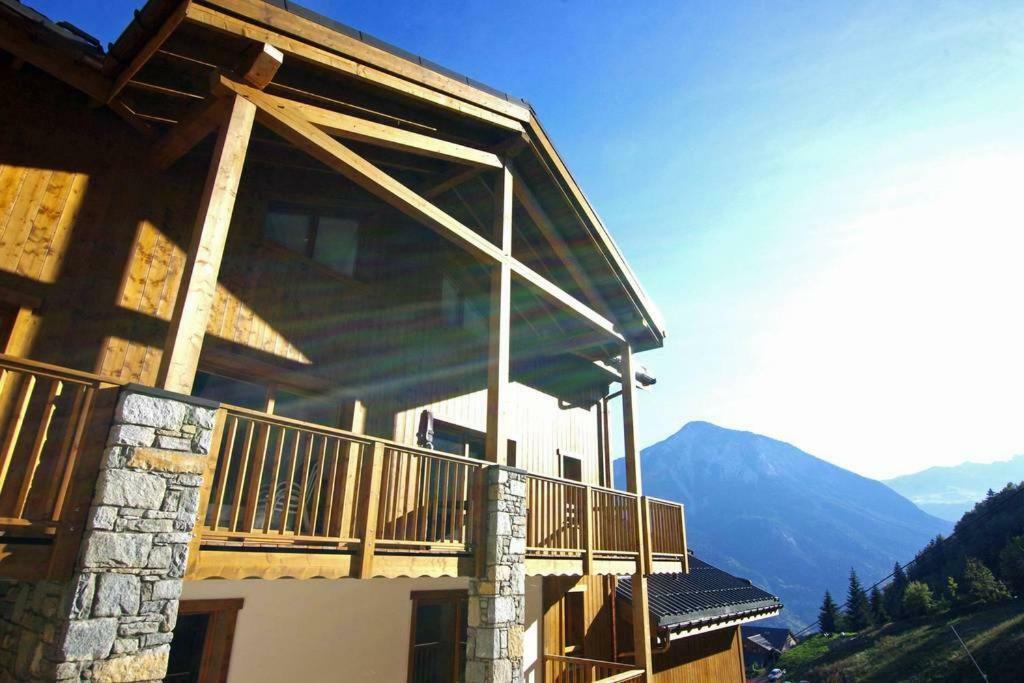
[(37, 447), (367, 513), (206, 489), (293, 462), (243, 470), (256, 477), (72, 427), (229, 449), (28, 383), (318, 486), (275, 473), (304, 485), (588, 531), (329, 513)]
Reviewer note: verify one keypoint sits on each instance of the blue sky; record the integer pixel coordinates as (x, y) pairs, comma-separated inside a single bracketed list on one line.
[(825, 199)]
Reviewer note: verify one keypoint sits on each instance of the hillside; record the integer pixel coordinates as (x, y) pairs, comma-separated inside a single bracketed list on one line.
[(788, 521), (949, 492), (919, 650)]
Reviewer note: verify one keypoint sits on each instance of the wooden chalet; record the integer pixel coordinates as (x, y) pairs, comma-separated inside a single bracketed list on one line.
[(281, 301)]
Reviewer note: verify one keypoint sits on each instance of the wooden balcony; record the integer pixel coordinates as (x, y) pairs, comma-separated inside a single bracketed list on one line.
[(558, 669), (54, 425), (293, 499)]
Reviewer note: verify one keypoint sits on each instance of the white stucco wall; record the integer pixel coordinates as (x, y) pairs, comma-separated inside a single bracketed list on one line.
[(320, 631)]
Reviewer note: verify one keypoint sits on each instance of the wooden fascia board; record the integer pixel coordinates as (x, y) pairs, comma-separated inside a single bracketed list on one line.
[(291, 125), (16, 40), (361, 130), (546, 151), (294, 25), (308, 52)]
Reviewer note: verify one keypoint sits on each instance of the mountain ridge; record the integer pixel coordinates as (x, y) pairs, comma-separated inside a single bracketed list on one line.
[(787, 520), (948, 491)]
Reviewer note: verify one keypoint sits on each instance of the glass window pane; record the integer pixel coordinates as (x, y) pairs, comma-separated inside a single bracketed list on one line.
[(336, 243), (290, 229), (232, 391), (451, 311), (306, 408)]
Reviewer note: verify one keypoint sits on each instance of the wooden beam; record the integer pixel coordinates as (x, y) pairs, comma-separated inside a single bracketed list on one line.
[(199, 281), (148, 50), (500, 326), (260, 65), (354, 128), (289, 23), (634, 481), (292, 126), (558, 244), (307, 52), (369, 494), (196, 125)]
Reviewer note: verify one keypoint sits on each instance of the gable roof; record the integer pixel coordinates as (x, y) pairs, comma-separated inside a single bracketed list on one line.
[(705, 594), (776, 638)]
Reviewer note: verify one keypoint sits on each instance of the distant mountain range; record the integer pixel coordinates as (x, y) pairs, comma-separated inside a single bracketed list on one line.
[(788, 521), (949, 492)]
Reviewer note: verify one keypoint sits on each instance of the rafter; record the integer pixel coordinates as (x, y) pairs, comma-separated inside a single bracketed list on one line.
[(148, 50)]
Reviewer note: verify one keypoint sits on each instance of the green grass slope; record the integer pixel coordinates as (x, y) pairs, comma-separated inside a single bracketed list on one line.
[(918, 650)]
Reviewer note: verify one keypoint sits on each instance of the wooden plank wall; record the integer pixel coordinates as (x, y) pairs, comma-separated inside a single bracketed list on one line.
[(713, 657), (99, 240), (597, 615)]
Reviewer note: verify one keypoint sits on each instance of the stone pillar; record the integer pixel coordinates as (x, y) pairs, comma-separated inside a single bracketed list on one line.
[(497, 598), (113, 620)]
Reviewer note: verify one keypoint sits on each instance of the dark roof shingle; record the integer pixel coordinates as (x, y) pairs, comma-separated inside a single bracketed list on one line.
[(705, 593)]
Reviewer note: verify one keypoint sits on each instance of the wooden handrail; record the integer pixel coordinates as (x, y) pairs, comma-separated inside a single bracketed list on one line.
[(563, 669)]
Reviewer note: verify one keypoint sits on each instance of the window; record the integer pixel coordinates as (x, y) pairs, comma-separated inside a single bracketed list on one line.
[(459, 309), (452, 438), (201, 649), (437, 646), (320, 234), (572, 467), (572, 619), (235, 392)]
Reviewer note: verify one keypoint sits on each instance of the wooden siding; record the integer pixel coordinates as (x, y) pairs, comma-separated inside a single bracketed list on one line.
[(597, 615), (713, 657)]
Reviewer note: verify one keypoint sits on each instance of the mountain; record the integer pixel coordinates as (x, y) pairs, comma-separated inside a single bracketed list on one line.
[(788, 521), (949, 492)]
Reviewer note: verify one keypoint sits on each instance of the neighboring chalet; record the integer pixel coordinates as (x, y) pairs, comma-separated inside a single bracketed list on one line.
[(763, 645), (310, 349)]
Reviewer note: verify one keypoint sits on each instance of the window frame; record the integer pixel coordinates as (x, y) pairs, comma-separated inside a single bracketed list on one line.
[(220, 634), (460, 598)]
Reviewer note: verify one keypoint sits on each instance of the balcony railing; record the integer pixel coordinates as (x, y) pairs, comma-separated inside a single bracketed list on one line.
[(558, 669), (283, 482), (46, 416)]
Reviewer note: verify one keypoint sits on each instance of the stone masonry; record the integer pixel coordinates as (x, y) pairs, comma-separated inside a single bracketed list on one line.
[(497, 598), (113, 620)]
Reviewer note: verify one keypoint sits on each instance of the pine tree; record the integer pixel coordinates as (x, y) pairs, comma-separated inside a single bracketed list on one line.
[(858, 609), (894, 592), (878, 614), (828, 617)]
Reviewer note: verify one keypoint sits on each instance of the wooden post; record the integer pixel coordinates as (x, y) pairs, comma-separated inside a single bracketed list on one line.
[(206, 489), (369, 496), (648, 545), (588, 531), (199, 281), (634, 484), (686, 552), (500, 324)]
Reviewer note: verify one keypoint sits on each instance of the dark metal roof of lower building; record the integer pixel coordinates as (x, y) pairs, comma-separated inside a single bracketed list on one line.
[(705, 593)]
